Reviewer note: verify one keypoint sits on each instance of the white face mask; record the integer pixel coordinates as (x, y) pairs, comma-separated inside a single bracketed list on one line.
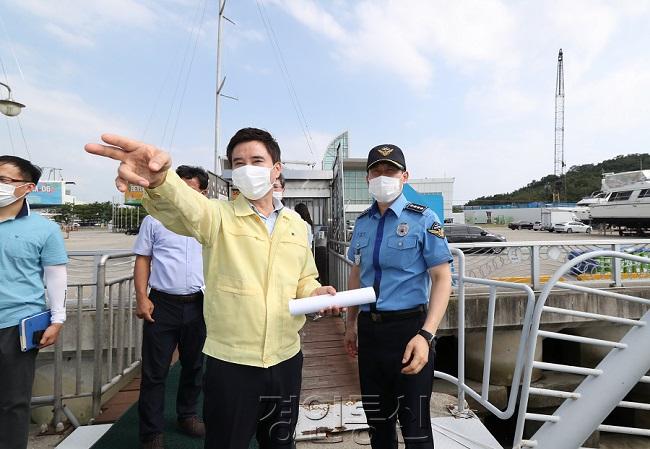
[(8, 194), (252, 181), (278, 195), (384, 188)]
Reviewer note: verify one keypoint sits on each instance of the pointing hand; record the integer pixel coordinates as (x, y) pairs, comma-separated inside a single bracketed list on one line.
[(140, 163)]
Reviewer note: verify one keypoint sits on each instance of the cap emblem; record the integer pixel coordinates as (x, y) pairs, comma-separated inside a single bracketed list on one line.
[(385, 151)]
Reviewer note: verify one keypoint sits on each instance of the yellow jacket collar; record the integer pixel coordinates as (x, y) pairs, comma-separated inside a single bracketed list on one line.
[(242, 208)]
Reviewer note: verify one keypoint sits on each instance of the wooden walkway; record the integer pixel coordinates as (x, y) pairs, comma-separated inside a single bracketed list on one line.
[(328, 372)]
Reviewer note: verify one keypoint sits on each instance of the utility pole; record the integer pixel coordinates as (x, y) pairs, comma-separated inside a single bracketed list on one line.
[(220, 84), (559, 129)]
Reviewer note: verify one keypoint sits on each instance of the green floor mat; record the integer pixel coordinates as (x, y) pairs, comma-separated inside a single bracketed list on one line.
[(124, 433)]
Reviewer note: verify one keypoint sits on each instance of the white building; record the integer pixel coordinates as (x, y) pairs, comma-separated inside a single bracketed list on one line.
[(443, 186), (501, 214)]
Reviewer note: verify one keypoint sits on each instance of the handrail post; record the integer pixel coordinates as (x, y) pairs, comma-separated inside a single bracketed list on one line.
[(120, 327), (460, 301), (534, 267), (616, 268), (58, 381), (98, 333)]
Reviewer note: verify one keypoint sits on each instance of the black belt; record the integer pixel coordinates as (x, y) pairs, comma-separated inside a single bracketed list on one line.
[(192, 297), (394, 315)]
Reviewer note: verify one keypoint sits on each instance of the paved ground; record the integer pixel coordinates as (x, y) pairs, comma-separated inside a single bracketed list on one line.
[(38, 441), (95, 239)]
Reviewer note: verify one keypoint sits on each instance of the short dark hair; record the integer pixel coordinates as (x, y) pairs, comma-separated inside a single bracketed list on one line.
[(254, 134), (281, 180), (189, 172), (29, 171), (303, 211)]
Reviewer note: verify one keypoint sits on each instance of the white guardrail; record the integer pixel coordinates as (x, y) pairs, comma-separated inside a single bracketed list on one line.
[(101, 314), (572, 263)]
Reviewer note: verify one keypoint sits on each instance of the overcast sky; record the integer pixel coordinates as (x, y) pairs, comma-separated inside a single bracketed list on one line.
[(466, 88)]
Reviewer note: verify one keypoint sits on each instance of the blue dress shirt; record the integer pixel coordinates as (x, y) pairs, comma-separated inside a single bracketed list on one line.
[(176, 260), (394, 252), (271, 219)]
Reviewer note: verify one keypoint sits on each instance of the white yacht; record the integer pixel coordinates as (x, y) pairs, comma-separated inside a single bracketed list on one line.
[(626, 201), (594, 198)]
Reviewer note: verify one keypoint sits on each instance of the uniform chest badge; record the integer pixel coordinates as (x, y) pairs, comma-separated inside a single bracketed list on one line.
[(402, 229), (437, 230)]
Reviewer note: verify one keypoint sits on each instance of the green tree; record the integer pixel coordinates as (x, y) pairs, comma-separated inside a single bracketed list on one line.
[(580, 181)]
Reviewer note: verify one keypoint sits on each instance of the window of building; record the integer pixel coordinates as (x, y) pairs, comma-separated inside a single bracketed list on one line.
[(356, 187)]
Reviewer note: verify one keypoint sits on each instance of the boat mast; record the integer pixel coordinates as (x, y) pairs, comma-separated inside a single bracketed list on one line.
[(220, 83)]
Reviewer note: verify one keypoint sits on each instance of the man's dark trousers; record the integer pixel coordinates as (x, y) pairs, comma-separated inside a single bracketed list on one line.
[(242, 401), (176, 323), (16, 379), (387, 393)]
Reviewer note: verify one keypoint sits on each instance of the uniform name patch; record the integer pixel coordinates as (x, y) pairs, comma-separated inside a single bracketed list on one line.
[(437, 230)]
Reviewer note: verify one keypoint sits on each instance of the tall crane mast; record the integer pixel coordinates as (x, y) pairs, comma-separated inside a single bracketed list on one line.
[(559, 128)]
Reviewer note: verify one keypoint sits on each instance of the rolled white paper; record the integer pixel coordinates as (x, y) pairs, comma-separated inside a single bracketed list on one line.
[(341, 299)]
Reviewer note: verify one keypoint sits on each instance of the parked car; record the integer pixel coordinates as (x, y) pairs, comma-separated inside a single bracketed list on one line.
[(460, 233), (521, 224), (572, 226), (132, 231), (537, 226)]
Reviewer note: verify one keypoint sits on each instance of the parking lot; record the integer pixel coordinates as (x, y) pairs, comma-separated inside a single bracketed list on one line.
[(97, 240), (526, 235)]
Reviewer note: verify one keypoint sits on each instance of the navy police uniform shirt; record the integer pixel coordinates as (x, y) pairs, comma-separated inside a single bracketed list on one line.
[(394, 252)]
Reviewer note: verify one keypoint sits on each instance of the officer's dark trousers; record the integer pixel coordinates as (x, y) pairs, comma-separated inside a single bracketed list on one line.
[(243, 401), (388, 394), (175, 324)]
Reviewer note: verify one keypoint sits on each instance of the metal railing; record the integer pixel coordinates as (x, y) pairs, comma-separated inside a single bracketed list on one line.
[(339, 271), (525, 361), (623, 364), (101, 340), (534, 262)]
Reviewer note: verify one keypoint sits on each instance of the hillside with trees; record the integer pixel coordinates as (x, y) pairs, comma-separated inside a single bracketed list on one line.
[(578, 182)]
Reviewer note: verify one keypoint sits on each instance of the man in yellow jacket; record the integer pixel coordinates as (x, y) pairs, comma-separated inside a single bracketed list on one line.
[(256, 259)]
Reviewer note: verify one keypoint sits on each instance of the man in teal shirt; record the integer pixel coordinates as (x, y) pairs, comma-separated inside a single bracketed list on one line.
[(32, 255)]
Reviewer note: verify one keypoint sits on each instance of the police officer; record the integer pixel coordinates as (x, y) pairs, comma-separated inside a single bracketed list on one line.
[(399, 248)]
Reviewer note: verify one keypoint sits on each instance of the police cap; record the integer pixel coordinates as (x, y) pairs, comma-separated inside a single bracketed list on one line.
[(386, 153)]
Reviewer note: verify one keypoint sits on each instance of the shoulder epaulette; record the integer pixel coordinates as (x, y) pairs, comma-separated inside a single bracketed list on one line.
[(416, 207), (365, 212)]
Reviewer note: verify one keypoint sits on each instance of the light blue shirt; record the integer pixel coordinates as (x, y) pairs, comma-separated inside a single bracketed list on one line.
[(28, 243), (394, 252), (271, 219), (176, 260)]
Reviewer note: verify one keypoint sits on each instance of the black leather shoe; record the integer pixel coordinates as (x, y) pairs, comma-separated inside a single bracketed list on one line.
[(156, 443), (192, 426)]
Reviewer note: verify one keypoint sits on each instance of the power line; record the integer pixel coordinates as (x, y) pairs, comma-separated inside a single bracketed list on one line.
[(180, 73), (284, 70), (4, 71), (20, 71), (187, 76), (22, 133), (11, 139), (11, 48)]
